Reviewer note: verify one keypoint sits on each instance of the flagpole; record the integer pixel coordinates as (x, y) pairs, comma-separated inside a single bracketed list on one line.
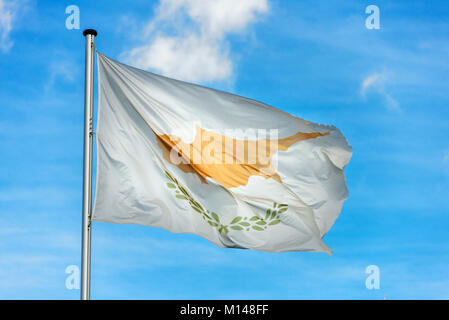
[(87, 163)]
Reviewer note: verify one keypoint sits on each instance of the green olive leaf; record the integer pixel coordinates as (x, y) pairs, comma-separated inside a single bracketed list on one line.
[(268, 214), (215, 216), (213, 224), (197, 204), (197, 210), (236, 219)]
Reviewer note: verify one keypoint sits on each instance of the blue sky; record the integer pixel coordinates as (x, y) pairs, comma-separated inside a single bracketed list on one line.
[(386, 90)]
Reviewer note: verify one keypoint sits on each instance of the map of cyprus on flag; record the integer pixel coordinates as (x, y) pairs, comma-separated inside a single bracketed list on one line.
[(235, 171)]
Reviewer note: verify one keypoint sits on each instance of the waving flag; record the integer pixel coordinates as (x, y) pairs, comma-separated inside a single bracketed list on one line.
[(235, 171)]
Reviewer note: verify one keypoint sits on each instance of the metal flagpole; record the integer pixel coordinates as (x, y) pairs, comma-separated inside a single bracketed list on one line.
[(87, 162)]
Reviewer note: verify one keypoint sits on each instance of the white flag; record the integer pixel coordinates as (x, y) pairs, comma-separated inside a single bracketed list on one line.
[(190, 159)]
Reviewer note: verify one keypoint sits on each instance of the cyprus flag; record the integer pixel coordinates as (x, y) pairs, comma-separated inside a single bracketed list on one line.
[(235, 171)]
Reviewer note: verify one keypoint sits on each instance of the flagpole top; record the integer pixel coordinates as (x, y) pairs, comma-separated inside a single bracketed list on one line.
[(90, 31)]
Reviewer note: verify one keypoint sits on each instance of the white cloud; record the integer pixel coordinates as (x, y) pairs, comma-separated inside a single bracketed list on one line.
[(376, 83), (60, 69), (7, 14), (370, 81), (446, 156), (192, 45), (191, 58)]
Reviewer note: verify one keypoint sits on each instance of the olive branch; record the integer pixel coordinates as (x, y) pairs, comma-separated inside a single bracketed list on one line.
[(272, 215)]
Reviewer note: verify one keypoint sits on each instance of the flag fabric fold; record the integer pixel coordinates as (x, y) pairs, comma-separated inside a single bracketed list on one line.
[(191, 159)]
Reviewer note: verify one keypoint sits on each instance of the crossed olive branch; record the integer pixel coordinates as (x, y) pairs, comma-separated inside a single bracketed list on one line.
[(272, 215)]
